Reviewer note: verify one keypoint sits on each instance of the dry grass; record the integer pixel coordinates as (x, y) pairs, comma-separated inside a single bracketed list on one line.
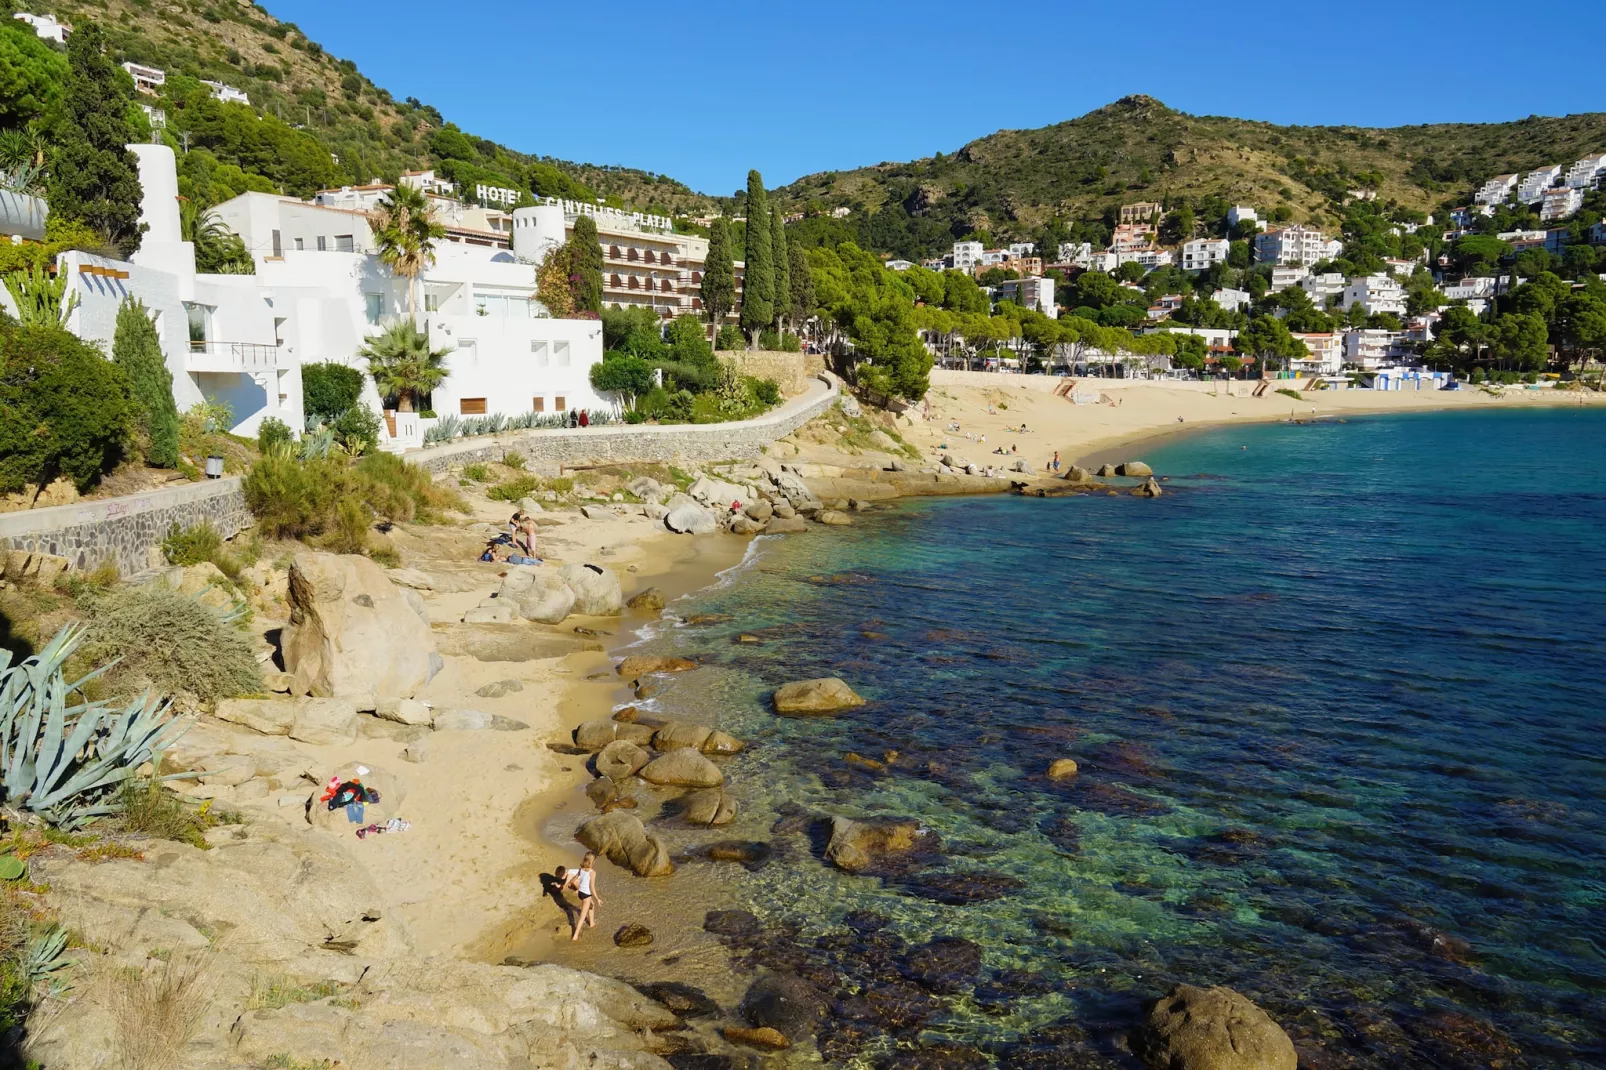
[(158, 1010), (271, 993)]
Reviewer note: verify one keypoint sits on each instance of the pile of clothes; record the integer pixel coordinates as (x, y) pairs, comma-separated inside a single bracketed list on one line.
[(351, 794)]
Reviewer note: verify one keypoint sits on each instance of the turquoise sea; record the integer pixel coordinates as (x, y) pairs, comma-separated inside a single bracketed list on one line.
[(1338, 700)]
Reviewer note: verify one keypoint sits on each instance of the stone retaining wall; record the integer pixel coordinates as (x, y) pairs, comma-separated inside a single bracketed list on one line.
[(128, 530), (789, 370), (549, 448)]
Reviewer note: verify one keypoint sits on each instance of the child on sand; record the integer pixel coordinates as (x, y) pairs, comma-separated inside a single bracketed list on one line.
[(584, 882)]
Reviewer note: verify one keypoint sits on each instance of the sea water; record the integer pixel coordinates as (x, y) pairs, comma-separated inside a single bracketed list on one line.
[(1337, 700)]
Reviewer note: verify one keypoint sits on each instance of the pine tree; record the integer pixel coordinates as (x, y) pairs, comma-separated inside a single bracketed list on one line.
[(801, 298), (93, 176), (783, 269), (758, 277), (138, 351), (585, 269), (719, 276)]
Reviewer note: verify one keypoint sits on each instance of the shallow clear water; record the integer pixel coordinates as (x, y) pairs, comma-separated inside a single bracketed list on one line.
[(1337, 700)]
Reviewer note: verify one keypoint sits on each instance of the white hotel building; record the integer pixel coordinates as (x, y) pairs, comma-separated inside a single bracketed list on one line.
[(1295, 245), (1201, 253)]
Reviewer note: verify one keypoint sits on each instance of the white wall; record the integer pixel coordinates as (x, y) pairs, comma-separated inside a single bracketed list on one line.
[(500, 366)]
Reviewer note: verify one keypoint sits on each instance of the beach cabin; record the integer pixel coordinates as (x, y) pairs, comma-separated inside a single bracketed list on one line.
[(1405, 379)]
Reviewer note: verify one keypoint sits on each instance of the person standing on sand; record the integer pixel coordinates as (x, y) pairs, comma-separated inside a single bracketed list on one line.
[(584, 882)]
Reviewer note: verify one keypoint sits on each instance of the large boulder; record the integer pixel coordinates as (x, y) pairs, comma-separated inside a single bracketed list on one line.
[(541, 594), (691, 519), (647, 489), (621, 759), (324, 722), (720, 495), (1134, 468), (786, 525), (856, 846), (642, 664), (621, 839), (270, 716), (812, 697), (1077, 474), (682, 768), (711, 806), (677, 735), (1149, 488), (595, 734), (1191, 1028), (352, 632), (596, 590), (650, 600)]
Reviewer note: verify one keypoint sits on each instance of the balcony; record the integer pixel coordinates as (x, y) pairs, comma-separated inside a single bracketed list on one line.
[(239, 357)]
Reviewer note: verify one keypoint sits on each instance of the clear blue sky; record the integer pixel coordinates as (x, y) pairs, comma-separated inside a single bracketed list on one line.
[(677, 88)]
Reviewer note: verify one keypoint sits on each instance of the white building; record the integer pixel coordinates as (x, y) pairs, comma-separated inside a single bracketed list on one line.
[(967, 254), (1077, 253), (1323, 287), (1284, 277), (1238, 213), (146, 79), (1468, 289), (1497, 190), (1560, 202), (1401, 269), (1371, 348), (1023, 248), (46, 26), (226, 93), (1326, 355), (1200, 253), (428, 183), (1148, 258), (1232, 300), (466, 223), (900, 265), (1376, 294), (1534, 183), (1585, 174), (1034, 292), (1296, 244)]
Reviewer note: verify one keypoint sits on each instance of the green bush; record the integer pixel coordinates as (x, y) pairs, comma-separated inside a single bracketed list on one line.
[(514, 460), (65, 410), (730, 338), (271, 433), (705, 409), (768, 339), (149, 809), (357, 429), (170, 641), (327, 390), (293, 498), (1296, 395), (514, 489), (767, 392), (191, 546), (476, 472), (790, 343), (138, 351), (348, 534)]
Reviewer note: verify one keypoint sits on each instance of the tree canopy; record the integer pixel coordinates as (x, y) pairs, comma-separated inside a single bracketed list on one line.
[(93, 176), (758, 272)]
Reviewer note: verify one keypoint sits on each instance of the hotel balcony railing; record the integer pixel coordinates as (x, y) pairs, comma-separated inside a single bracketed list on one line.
[(232, 357)]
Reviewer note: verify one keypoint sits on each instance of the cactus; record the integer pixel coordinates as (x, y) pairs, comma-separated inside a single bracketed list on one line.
[(65, 761), (38, 295), (12, 868)]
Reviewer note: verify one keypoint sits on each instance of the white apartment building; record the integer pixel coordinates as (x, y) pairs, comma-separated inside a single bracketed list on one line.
[(1296, 244), (1232, 300), (1284, 277), (46, 26), (1035, 293), (146, 79), (967, 254), (1402, 269), (1103, 261), (1023, 249), (1560, 202), (428, 183), (1323, 287), (1077, 253), (1469, 288), (1200, 253), (226, 93), (466, 223), (1239, 213), (1326, 355), (1586, 173), (1370, 349), (271, 225), (1497, 190), (1376, 294), (899, 265), (1149, 258), (1534, 183)]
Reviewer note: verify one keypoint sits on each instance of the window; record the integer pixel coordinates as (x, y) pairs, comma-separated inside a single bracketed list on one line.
[(278, 244), (470, 348), (471, 407), (374, 306), (344, 244), (557, 404), (560, 350), (301, 244), (538, 352), (323, 244), (538, 404), (432, 302)]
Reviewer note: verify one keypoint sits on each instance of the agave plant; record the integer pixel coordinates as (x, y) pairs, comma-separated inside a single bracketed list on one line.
[(66, 761), (317, 443)]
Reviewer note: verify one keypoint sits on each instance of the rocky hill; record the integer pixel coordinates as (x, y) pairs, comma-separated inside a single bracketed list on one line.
[(290, 77), (1015, 181)]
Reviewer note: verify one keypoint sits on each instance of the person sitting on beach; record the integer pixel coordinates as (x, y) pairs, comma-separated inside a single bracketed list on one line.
[(584, 882)]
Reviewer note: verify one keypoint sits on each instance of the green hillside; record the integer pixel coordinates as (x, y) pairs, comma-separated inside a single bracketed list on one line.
[(1014, 183), (334, 125)]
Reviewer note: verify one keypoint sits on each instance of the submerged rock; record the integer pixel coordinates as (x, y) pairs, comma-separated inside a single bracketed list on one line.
[(1192, 1028), (856, 846), (711, 806), (633, 935), (682, 999), (785, 1003), (945, 965), (649, 601), (810, 697), (638, 665)]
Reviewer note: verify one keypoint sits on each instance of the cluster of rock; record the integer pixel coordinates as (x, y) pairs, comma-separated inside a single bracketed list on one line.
[(766, 497), (548, 595), (948, 465)]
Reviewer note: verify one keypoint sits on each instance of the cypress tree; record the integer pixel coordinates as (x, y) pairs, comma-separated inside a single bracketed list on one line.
[(758, 277), (783, 269), (585, 270), (93, 176), (138, 351), (802, 295), (719, 275)]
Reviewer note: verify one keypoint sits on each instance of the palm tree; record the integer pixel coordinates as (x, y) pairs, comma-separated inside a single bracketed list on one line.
[(405, 230), (402, 363), (218, 250)]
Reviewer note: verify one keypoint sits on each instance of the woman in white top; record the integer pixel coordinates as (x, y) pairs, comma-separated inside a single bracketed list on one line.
[(584, 882)]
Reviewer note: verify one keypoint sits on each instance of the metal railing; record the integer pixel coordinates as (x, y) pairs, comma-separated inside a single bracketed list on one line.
[(242, 356)]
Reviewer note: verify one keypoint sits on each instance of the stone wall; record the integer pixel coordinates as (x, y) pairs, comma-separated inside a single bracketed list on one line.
[(129, 530), (550, 448), (789, 370)]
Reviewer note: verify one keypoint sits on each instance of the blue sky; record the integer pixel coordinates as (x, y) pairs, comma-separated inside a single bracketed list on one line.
[(676, 88)]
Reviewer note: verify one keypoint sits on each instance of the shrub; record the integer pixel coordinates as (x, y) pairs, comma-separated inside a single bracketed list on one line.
[(158, 1011), (357, 429), (64, 409), (730, 338), (767, 392), (514, 489), (272, 433), (327, 390), (138, 351), (1296, 395), (514, 461), (289, 498), (790, 343), (298, 499), (400, 491), (476, 472), (768, 339), (191, 546), (149, 809), (348, 534), (173, 642)]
